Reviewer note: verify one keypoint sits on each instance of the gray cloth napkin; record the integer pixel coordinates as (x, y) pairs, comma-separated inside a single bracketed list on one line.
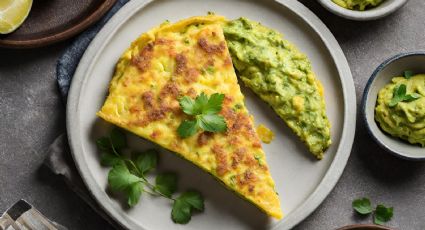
[(58, 158), (70, 59)]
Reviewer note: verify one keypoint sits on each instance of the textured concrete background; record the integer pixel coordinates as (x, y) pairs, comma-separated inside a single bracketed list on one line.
[(32, 115)]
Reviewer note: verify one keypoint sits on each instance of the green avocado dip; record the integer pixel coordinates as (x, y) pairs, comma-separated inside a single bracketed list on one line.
[(360, 5), (400, 109), (281, 76)]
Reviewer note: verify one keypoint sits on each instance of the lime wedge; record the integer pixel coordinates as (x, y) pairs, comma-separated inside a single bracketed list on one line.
[(12, 14)]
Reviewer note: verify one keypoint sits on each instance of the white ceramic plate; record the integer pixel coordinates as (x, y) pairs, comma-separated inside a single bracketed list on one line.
[(301, 181)]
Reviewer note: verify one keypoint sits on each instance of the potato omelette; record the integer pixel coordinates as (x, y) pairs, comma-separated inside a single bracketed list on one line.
[(189, 58)]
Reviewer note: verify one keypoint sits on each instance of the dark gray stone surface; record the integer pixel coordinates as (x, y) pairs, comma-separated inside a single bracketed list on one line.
[(32, 115)]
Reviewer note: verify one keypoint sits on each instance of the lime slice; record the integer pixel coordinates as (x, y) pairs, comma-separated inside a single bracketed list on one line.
[(12, 14)]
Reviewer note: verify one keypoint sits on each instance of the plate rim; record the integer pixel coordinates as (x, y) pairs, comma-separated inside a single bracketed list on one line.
[(63, 34), (330, 178)]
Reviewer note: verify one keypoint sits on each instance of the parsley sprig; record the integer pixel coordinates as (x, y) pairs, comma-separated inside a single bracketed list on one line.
[(128, 177), (205, 111), (381, 215), (408, 74), (399, 95)]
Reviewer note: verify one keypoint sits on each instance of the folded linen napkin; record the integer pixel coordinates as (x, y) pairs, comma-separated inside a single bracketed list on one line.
[(58, 158)]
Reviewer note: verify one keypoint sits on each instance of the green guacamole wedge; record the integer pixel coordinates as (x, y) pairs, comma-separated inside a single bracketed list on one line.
[(281, 76)]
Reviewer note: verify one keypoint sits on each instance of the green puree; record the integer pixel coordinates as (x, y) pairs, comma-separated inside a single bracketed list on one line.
[(282, 76), (406, 119), (357, 4)]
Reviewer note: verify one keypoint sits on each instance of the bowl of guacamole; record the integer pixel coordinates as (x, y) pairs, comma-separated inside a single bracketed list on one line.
[(362, 10), (393, 105)]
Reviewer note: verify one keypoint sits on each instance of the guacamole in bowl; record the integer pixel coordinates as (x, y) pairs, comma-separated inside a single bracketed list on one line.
[(362, 10), (359, 5), (400, 109)]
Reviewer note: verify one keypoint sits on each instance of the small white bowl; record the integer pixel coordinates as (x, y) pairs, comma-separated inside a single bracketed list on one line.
[(385, 8), (392, 67)]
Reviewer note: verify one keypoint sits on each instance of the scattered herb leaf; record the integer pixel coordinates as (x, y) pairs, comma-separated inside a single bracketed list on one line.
[(146, 161), (412, 97), (166, 183), (201, 102), (120, 178), (193, 198), (118, 139), (408, 74), (212, 123), (109, 159), (187, 128), (399, 95), (181, 212), (205, 111), (185, 204), (362, 206), (214, 104), (134, 192), (188, 105), (104, 144), (382, 214), (128, 176)]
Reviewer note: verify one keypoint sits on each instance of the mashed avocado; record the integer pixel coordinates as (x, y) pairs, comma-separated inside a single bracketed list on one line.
[(357, 4), (405, 119), (282, 76)]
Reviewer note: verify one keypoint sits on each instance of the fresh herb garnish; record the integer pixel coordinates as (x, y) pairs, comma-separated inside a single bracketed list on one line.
[(408, 74), (399, 95), (362, 206), (381, 214), (128, 176), (205, 112), (166, 183), (184, 206)]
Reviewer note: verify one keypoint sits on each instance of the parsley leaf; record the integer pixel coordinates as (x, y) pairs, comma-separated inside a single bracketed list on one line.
[(188, 105), (399, 95), (134, 191), (166, 183), (109, 159), (214, 104), (118, 139), (104, 144), (127, 175), (146, 161), (408, 74), (120, 178), (201, 102), (212, 123), (205, 111), (194, 198), (181, 212), (362, 206), (382, 214), (187, 128), (411, 97), (185, 204)]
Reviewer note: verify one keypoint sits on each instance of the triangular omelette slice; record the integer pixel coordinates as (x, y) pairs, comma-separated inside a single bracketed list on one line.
[(188, 58)]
